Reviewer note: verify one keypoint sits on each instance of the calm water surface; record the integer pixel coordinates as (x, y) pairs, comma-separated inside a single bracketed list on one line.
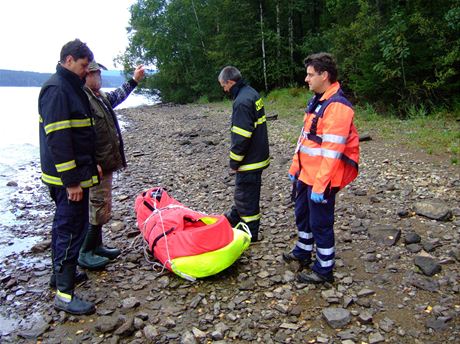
[(19, 153)]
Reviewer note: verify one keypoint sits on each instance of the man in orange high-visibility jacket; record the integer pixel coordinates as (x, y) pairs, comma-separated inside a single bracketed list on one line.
[(325, 160)]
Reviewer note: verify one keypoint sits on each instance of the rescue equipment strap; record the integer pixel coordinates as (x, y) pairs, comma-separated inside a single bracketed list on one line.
[(159, 237)]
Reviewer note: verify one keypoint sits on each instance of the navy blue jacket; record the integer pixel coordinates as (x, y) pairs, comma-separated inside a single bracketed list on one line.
[(67, 136), (249, 136)]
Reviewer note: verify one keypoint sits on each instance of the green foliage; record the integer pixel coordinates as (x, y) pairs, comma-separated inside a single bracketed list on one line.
[(401, 56)]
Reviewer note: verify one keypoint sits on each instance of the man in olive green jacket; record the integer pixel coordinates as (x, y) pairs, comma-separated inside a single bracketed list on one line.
[(110, 156)]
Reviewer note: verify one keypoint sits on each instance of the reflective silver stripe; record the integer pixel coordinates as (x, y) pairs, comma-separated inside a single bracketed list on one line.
[(304, 246), (251, 218), (65, 166), (259, 104), (305, 235), (311, 151), (325, 263), (327, 153), (72, 123), (236, 157), (334, 138), (261, 120), (255, 166), (242, 132), (325, 251)]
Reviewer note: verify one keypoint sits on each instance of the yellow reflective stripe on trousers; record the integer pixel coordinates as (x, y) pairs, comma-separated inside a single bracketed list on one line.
[(255, 166), (236, 157), (251, 218), (259, 104), (242, 132), (65, 166), (72, 123), (261, 120)]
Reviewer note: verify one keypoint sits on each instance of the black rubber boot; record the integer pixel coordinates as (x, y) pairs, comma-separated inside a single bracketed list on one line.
[(80, 277), (87, 258), (65, 300), (101, 250)]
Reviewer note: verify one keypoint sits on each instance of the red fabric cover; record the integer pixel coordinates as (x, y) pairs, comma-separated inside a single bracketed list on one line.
[(189, 237)]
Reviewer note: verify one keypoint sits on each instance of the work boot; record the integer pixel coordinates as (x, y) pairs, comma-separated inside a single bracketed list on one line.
[(289, 257), (101, 250), (87, 258), (315, 278), (80, 277), (72, 304), (65, 300)]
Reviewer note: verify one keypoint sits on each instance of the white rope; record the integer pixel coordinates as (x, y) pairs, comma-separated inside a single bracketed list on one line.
[(156, 265)]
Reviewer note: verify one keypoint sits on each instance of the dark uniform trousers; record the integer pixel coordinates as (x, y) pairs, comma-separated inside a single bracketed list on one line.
[(70, 225), (315, 224), (246, 206)]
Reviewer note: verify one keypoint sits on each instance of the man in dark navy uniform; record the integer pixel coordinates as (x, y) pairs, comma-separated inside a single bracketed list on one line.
[(249, 152), (67, 155)]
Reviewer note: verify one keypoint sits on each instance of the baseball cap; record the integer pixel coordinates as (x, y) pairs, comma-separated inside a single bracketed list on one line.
[(94, 66)]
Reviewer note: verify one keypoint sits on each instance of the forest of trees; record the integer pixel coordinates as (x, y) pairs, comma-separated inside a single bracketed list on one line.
[(391, 53)]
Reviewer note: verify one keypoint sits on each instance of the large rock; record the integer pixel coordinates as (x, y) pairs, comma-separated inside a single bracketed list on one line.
[(424, 283), (428, 265), (384, 234), (336, 317), (34, 326), (106, 324), (436, 210)]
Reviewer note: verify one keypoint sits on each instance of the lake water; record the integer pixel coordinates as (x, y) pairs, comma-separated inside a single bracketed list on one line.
[(19, 153)]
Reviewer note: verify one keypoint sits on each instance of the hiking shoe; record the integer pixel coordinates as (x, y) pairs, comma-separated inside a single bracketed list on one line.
[(315, 278), (80, 277), (290, 257)]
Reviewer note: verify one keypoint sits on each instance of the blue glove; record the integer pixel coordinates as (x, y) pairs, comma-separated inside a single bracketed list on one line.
[(317, 197), (292, 178)]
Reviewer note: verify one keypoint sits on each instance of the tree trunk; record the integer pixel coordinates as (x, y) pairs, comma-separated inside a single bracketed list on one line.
[(278, 31), (291, 40), (198, 25), (263, 45)]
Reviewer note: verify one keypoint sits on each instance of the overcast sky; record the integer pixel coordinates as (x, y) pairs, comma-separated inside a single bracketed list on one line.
[(33, 31)]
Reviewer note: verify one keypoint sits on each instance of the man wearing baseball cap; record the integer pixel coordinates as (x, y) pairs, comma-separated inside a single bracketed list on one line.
[(110, 156)]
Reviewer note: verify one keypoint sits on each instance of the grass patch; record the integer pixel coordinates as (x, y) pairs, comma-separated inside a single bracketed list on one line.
[(435, 133)]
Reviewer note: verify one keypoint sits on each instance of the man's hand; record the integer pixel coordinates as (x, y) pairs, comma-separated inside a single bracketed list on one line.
[(99, 171), (139, 73), (292, 178), (317, 197), (74, 193)]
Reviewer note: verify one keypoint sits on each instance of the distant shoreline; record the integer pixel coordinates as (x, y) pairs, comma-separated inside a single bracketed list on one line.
[(13, 78)]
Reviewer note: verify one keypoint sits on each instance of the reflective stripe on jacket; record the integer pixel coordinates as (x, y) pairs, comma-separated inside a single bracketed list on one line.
[(66, 132), (328, 146), (249, 149)]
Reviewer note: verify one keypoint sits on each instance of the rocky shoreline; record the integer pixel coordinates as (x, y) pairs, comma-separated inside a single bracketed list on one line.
[(398, 250)]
